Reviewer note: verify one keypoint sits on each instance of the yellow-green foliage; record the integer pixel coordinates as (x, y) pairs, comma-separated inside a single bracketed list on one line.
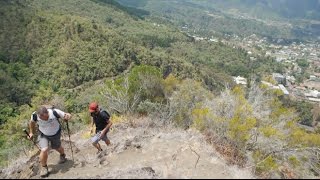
[(86, 135), (118, 118), (240, 128), (263, 86), (85, 117), (238, 90), (170, 84), (299, 137), (294, 161), (257, 155), (296, 136), (277, 92), (269, 131), (268, 164), (269, 79), (199, 117), (290, 124), (264, 164), (185, 99), (243, 121), (277, 110)]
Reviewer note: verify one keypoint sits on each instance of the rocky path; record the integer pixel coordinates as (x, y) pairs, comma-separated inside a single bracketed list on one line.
[(140, 152)]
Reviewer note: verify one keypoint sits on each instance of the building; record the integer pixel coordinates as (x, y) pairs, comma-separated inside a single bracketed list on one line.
[(313, 94), (279, 78), (313, 78), (240, 80), (198, 38), (314, 99), (213, 40)]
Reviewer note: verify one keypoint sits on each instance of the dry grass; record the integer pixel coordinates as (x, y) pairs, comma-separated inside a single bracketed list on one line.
[(229, 152), (287, 172)]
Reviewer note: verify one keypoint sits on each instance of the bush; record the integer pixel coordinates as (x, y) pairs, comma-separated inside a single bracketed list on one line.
[(184, 100), (148, 79)]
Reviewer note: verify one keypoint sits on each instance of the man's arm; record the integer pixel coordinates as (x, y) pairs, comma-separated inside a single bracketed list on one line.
[(65, 116), (104, 131), (32, 126), (91, 127)]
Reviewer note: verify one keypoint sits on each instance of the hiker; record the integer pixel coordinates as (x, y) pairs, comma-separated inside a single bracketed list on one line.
[(49, 128), (101, 119)]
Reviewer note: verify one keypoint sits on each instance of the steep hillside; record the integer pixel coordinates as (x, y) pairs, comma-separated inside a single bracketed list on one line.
[(63, 44)]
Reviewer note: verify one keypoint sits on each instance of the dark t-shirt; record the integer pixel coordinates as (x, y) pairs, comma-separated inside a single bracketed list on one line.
[(101, 120)]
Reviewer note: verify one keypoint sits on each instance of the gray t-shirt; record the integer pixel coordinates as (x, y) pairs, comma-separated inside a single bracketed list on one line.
[(51, 126)]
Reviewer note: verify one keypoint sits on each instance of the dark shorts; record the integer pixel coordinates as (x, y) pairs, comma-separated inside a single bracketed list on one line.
[(95, 138), (54, 141)]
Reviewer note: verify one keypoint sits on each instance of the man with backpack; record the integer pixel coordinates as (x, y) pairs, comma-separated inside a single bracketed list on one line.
[(49, 128), (101, 119)]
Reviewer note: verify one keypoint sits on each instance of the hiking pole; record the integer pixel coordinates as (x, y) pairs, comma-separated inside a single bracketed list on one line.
[(70, 139), (24, 130)]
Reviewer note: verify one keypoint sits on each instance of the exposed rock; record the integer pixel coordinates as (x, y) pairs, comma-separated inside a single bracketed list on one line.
[(148, 169)]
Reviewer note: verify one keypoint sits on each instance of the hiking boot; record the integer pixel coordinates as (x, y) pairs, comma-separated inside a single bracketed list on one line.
[(62, 159), (44, 171)]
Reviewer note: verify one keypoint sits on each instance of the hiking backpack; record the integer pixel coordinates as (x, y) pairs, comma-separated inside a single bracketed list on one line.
[(103, 110)]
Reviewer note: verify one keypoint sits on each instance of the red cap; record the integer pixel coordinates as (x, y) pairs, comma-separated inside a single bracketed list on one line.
[(93, 106)]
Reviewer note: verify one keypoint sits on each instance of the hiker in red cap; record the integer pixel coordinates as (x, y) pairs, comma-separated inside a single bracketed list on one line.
[(101, 119)]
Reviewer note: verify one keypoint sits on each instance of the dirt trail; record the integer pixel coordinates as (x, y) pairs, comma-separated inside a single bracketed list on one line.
[(140, 152)]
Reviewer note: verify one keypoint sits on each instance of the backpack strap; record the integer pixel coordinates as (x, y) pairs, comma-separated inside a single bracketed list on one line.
[(57, 116), (34, 116), (55, 113)]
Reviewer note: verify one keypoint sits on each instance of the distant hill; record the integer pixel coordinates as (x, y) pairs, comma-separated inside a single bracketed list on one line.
[(287, 19), (309, 9)]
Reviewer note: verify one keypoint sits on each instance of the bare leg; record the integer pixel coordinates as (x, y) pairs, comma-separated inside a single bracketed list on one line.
[(108, 143), (60, 150), (44, 156), (97, 145), (62, 155)]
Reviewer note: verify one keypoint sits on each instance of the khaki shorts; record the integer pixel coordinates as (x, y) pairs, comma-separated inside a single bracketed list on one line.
[(95, 139), (54, 141)]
